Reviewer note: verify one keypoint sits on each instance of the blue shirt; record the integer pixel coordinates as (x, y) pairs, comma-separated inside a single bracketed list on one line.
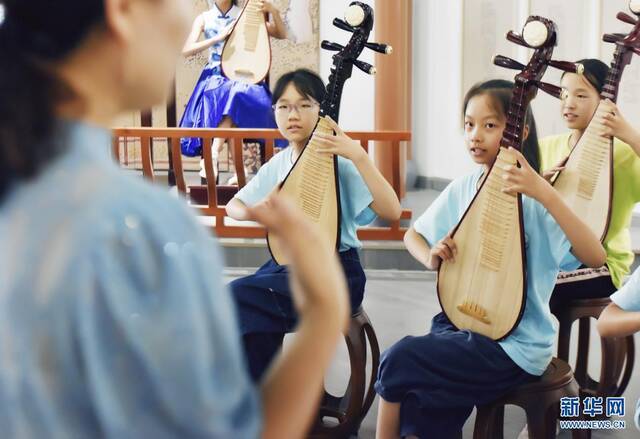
[(114, 321), (628, 298), (530, 345), (214, 23), (355, 196)]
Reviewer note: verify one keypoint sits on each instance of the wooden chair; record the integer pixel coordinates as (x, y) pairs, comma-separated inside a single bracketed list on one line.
[(348, 410), (618, 354), (540, 401)]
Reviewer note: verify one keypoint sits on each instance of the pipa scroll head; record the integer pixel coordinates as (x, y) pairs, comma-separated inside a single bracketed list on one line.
[(535, 33), (538, 32), (354, 15), (627, 43), (357, 16), (358, 19)]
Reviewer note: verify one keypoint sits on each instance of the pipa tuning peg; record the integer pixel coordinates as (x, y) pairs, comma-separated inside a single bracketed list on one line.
[(623, 16), (334, 47), (508, 63), (365, 67), (611, 38), (551, 89), (340, 23), (567, 66), (516, 38), (380, 48)]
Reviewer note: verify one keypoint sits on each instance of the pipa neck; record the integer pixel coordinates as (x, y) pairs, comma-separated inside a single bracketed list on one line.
[(612, 81), (340, 72), (514, 130)]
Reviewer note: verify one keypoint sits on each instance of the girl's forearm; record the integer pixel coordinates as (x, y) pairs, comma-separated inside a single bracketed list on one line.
[(279, 29), (616, 322), (192, 49), (385, 201), (237, 210), (418, 248)]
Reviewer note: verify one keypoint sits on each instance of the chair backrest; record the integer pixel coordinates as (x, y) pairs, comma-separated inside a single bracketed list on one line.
[(217, 196)]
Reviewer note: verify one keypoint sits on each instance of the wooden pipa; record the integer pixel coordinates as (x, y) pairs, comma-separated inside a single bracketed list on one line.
[(484, 290), (246, 55), (313, 180), (586, 183)]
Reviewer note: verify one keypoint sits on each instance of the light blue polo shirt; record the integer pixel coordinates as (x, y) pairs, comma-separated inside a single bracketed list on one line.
[(114, 320), (530, 345), (355, 196), (628, 298)]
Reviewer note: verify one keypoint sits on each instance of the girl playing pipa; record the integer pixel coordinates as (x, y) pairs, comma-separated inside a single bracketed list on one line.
[(429, 384), (594, 166), (263, 299)]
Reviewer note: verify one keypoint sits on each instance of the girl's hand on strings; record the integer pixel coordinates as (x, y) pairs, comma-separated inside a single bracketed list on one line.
[(340, 144)]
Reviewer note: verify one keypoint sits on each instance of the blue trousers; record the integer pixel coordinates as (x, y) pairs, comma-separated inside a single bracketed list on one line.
[(266, 311), (438, 378)]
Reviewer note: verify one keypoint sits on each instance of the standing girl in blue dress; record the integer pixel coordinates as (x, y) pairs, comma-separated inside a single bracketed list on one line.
[(429, 384), (264, 298), (216, 100)]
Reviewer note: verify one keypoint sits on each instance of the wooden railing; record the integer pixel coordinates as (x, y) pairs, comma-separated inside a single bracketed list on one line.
[(217, 194)]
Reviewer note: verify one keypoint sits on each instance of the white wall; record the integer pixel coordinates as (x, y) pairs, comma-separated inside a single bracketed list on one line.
[(437, 88), (454, 42), (358, 99)]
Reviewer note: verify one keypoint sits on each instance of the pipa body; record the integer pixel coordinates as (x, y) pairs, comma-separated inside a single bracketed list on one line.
[(246, 55), (586, 183), (484, 289), (490, 260), (313, 185)]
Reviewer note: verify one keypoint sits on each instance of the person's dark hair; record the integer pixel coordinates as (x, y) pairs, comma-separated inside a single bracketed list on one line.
[(32, 34), (595, 72), (308, 84), (499, 91)]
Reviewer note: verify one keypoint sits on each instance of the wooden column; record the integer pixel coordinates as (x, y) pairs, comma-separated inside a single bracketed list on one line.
[(393, 25)]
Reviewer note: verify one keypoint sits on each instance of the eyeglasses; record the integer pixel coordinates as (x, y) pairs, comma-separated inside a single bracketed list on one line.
[(301, 108)]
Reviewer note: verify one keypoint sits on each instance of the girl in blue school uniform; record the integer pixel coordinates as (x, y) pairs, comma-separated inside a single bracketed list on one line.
[(266, 311), (621, 317), (217, 101), (429, 384)]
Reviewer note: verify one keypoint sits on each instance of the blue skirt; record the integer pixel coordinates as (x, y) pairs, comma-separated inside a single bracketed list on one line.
[(438, 378), (214, 97), (266, 311)]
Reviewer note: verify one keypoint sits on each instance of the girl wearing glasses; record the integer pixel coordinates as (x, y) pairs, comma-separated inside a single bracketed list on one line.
[(266, 310), (216, 100)]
